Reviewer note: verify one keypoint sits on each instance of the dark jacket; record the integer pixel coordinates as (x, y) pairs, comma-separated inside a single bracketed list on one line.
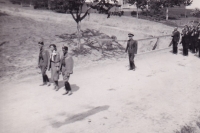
[(43, 60), (185, 39), (132, 46), (67, 64), (176, 36)]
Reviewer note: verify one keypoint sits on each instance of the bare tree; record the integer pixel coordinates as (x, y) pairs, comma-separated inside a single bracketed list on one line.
[(75, 8)]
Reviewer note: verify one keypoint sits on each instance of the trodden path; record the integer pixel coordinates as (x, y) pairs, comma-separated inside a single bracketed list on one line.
[(162, 95)]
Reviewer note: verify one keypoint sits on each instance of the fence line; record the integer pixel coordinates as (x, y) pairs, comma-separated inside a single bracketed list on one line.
[(136, 40)]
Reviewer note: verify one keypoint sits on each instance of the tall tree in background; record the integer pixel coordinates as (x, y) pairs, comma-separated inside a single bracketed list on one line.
[(140, 4), (169, 3), (195, 12), (75, 8), (172, 3)]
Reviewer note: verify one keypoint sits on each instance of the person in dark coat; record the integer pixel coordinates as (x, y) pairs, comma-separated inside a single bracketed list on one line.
[(43, 62), (192, 39), (132, 46), (175, 39), (185, 40), (66, 68), (199, 39), (54, 65), (196, 36)]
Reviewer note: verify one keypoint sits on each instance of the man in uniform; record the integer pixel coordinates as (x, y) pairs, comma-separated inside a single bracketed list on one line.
[(43, 63), (66, 68), (132, 50), (175, 39)]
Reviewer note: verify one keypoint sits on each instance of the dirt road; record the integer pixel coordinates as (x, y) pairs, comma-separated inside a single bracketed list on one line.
[(109, 98), (161, 96)]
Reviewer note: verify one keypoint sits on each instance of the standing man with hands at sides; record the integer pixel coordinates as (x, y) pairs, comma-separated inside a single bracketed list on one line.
[(132, 46), (66, 68), (175, 39), (43, 63)]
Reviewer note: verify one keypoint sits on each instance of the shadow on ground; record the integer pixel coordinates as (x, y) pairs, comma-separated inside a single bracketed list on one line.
[(81, 116)]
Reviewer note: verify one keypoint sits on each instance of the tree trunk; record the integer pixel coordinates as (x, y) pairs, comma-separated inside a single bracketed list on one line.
[(167, 15), (79, 35), (137, 12)]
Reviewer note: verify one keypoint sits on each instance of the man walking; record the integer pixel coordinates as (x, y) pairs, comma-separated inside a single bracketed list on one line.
[(66, 68), (43, 63), (175, 39), (132, 50)]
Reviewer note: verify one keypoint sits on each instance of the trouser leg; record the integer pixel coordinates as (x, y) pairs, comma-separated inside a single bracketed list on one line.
[(56, 83), (46, 78), (67, 86), (193, 47), (130, 62), (175, 50), (133, 61), (175, 47), (199, 48), (43, 78)]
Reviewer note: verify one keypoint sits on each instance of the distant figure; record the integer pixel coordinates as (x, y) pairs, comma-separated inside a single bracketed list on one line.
[(196, 36), (199, 40), (54, 65), (175, 39), (185, 40), (132, 50), (66, 68), (192, 39), (43, 63)]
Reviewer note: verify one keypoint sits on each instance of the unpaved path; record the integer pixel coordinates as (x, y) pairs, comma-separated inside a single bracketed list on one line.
[(162, 95)]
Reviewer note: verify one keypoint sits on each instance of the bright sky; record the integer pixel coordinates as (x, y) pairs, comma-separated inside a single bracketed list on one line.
[(195, 4)]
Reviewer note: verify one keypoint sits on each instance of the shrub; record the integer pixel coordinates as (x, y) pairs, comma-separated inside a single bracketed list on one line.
[(133, 13), (172, 17)]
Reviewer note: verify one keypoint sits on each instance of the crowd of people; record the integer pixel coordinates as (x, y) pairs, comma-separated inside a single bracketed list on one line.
[(58, 65), (190, 39)]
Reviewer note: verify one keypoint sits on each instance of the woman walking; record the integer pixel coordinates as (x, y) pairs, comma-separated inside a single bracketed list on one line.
[(66, 68), (54, 65)]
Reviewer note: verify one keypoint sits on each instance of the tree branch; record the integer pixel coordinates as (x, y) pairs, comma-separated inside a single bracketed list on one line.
[(73, 16), (85, 14)]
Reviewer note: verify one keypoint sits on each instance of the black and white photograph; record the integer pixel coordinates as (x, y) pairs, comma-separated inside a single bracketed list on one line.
[(100, 66)]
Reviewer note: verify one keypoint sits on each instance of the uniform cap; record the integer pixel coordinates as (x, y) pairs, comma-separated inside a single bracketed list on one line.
[(130, 35), (42, 43)]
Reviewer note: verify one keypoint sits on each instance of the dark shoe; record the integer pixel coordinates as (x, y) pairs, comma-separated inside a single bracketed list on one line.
[(70, 93), (43, 84), (65, 93), (130, 69)]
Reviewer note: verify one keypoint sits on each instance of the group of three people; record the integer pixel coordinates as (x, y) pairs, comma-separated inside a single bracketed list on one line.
[(190, 39), (57, 65)]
